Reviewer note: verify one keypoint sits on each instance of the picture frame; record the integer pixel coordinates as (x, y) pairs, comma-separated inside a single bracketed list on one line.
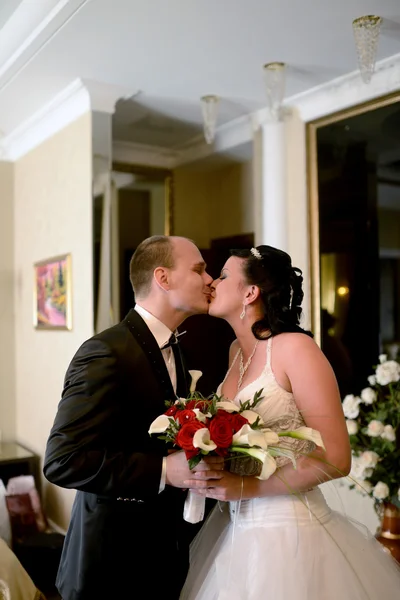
[(52, 293)]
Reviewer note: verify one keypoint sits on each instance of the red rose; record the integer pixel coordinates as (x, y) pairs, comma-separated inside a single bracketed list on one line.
[(237, 422), (184, 439), (200, 404), (221, 432), (171, 412), (184, 416), (191, 453), (223, 414)]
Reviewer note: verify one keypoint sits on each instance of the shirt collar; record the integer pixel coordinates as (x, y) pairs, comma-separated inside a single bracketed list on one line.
[(157, 328)]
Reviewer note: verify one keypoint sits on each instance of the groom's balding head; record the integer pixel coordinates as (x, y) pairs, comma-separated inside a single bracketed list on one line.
[(153, 252)]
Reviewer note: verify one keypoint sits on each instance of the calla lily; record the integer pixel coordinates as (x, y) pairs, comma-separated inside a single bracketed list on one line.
[(268, 462), (251, 416), (305, 433), (254, 437), (242, 436), (201, 416), (160, 424), (268, 468), (271, 437), (228, 406), (195, 375), (202, 440)]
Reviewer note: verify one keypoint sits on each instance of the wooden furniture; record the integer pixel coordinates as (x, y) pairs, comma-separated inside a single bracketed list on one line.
[(16, 460)]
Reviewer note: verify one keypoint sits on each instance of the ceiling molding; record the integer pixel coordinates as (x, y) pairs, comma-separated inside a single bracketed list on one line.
[(29, 29), (73, 101), (104, 96), (63, 109), (141, 154), (227, 137), (348, 91)]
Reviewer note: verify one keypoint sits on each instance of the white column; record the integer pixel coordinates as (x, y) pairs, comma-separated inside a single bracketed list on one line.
[(273, 185)]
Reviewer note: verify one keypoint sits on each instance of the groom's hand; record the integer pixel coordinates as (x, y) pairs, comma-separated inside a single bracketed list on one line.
[(177, 469)]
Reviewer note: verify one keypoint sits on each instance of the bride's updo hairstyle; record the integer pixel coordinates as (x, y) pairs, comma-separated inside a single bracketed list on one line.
[(281, 290)]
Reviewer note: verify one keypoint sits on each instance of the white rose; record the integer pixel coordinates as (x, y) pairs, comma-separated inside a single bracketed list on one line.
[(368, 395), (372, 380), (363, 487), (388, 372), (359, 470), (351, 406), (388, 433), (369, 459), (380, 491), (382, 358), (352, 426), (375, 428)]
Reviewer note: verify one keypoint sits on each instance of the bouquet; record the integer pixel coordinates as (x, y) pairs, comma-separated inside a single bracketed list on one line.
[(373, 420), (201, 426)]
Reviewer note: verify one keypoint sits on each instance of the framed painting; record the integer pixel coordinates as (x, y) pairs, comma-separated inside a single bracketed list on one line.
[(52, 293)]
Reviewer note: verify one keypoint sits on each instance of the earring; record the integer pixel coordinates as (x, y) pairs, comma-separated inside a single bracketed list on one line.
[(243, 313)]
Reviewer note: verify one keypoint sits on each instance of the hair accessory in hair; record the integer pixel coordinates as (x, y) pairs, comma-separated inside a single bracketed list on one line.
[(256, 253)]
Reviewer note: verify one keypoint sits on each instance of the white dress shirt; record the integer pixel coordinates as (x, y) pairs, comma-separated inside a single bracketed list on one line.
[(161, 334)]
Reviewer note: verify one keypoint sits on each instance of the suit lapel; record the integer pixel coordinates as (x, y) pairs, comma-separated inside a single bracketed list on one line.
[(145, 338)]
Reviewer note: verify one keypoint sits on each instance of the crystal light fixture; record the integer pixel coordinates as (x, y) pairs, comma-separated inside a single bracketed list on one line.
[(275, 79), (366, 34), (209, 108)]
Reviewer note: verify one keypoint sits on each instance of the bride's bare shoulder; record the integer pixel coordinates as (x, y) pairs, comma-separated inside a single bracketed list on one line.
[(294, 341)]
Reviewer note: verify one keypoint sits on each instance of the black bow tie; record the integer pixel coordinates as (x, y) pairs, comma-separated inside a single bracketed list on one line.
[(172, 340)]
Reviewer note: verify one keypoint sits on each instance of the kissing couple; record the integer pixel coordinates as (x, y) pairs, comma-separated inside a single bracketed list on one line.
[(127, 531)]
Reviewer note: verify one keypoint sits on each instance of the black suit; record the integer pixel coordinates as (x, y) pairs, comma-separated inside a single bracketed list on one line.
[(114, 388)]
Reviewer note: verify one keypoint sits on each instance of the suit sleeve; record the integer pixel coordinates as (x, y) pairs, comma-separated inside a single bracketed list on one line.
[(78, 454)]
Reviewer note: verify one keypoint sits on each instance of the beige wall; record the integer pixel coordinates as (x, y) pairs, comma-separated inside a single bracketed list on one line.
[(214, 203), (53, 215), (7, 311)]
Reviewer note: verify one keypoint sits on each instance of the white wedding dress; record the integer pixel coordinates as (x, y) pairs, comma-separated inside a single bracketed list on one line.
[(286, 547)]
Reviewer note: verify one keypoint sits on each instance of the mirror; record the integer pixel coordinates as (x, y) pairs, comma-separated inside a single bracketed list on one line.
[(141, 206)]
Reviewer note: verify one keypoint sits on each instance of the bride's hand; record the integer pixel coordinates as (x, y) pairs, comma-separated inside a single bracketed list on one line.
[(228, 488)]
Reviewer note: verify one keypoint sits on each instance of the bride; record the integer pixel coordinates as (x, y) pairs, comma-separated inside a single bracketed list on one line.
[(277, 539)]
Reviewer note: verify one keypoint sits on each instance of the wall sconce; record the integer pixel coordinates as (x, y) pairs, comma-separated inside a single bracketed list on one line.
[(275, 81), (366, 34), (209, 108)]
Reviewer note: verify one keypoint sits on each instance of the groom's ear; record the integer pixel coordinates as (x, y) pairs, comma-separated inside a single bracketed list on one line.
[(161, 277), (252, 294)]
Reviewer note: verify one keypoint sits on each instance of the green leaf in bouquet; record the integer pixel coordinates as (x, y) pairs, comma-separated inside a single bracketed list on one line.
[(193, 462), (251, 404)]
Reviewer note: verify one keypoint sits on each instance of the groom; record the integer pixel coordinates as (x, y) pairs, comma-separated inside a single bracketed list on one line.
[(127, 531)]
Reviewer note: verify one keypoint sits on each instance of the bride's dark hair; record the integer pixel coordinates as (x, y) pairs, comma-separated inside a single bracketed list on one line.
[(281, 290)]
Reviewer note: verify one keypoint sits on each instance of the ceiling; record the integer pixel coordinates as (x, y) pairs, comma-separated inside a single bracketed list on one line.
[(7, 7), (175, 51)]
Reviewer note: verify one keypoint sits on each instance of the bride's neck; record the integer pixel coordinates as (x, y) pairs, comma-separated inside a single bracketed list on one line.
[(244, 334)]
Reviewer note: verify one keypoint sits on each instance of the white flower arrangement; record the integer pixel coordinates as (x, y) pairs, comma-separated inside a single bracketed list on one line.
[(373, 425)]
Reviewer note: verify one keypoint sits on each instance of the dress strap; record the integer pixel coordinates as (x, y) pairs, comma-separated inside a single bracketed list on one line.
[(231, 367), (269, 348)]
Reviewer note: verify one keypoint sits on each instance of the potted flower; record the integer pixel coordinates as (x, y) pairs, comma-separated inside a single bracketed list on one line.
[(373, 420)]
